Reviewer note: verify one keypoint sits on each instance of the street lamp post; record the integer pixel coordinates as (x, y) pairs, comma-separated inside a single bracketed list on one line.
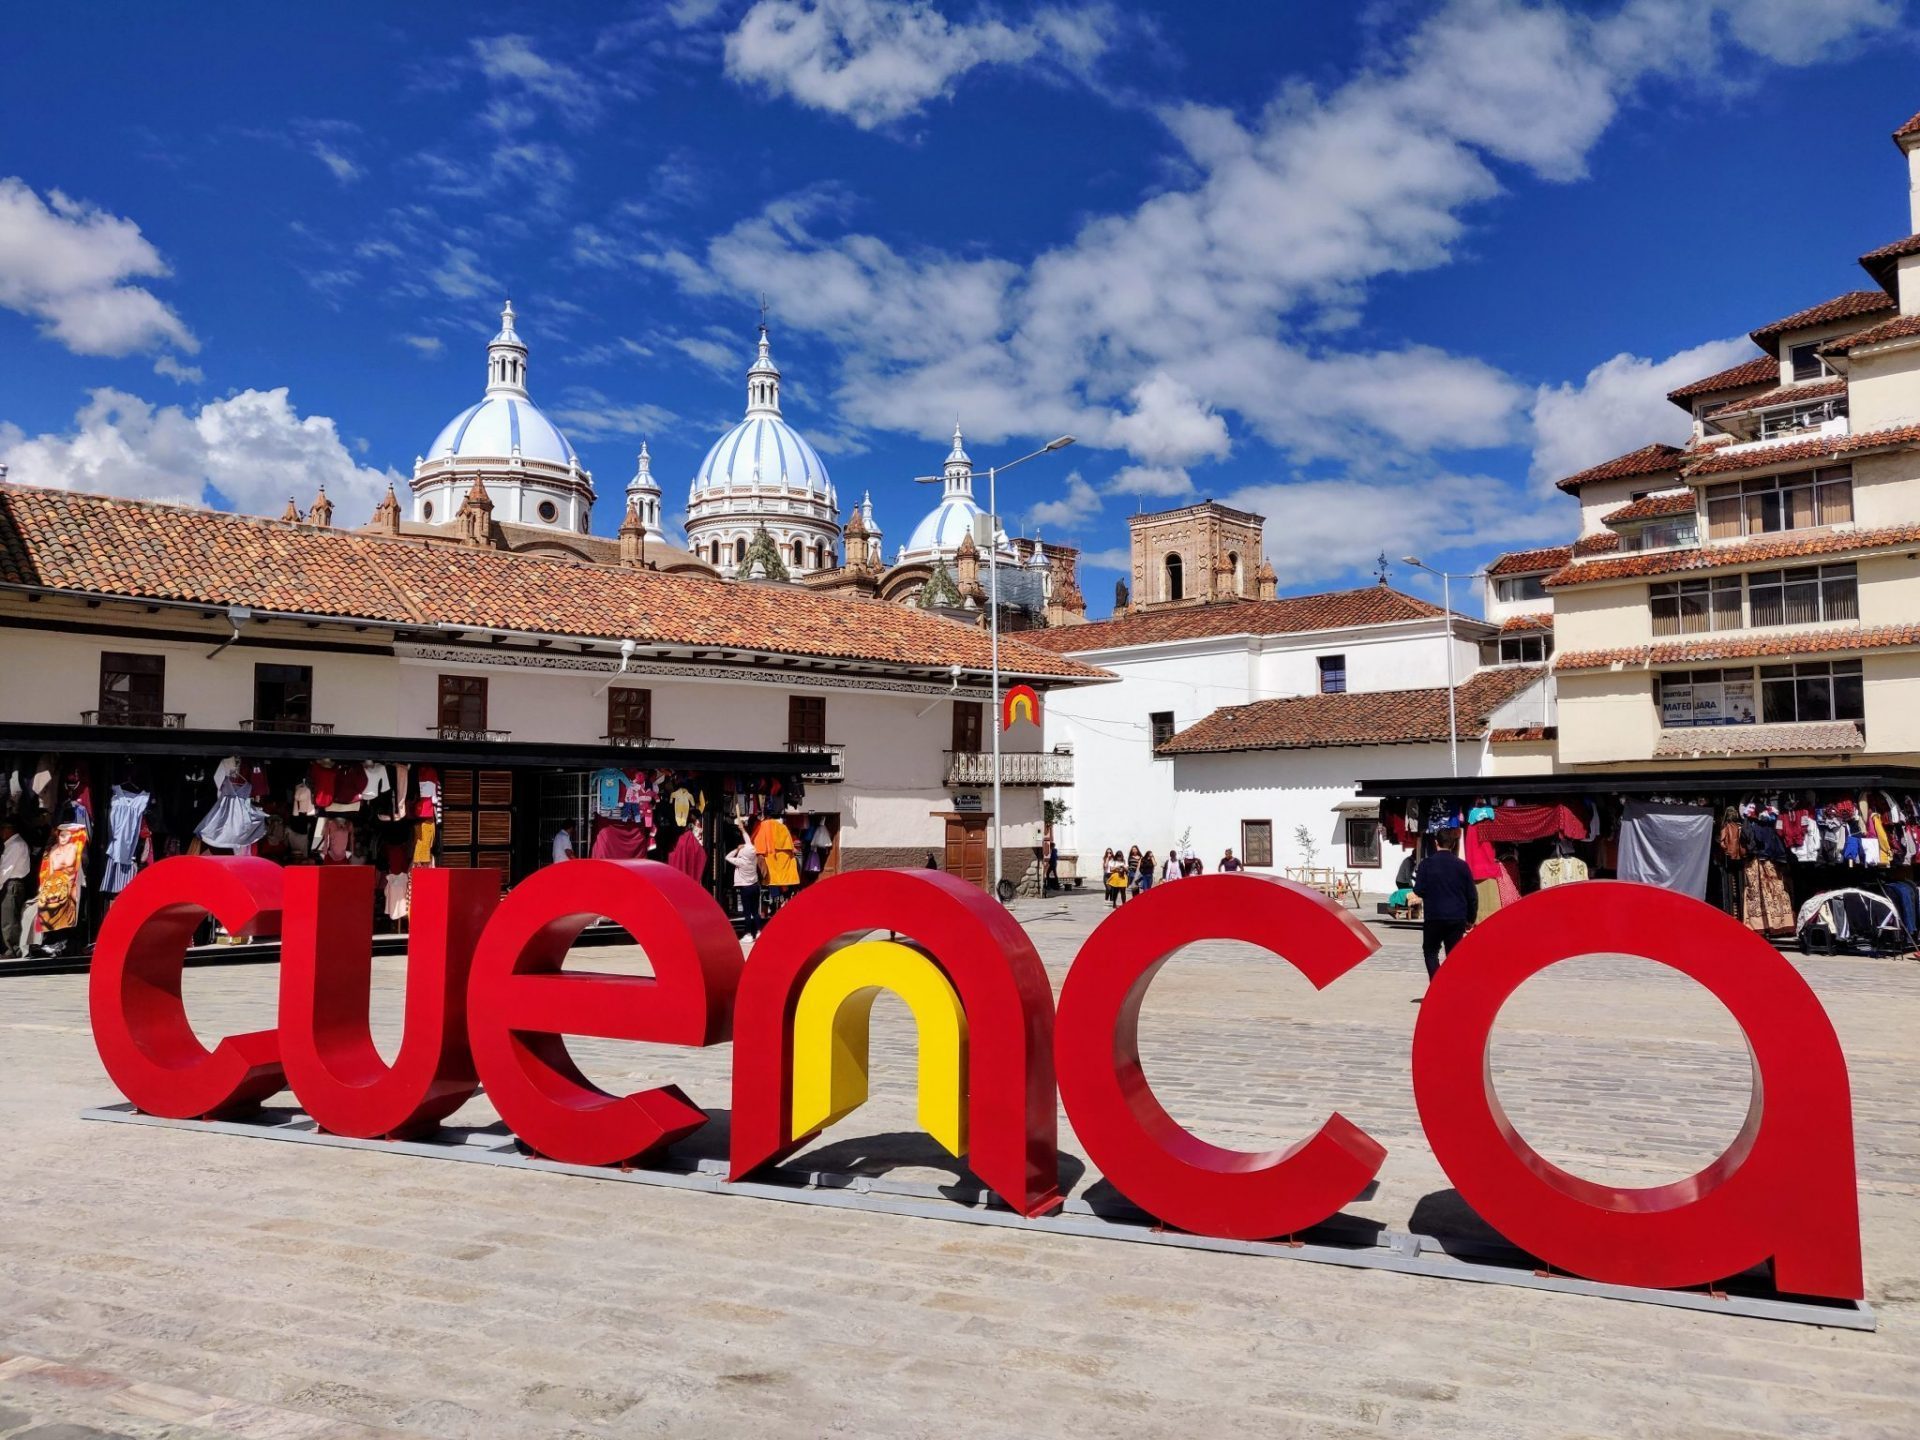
[(1446, 599), (993, 630)]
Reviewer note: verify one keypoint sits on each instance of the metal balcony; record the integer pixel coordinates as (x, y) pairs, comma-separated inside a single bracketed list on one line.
[(137, 717), (638, 742), (283, 726), (461, 732), (829, 767), (967, 768)]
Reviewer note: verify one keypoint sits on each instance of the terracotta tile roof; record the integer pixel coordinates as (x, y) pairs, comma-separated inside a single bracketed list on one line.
[(1898, 328), (98, 545), (1290, 614), (1713, 648), (1379, 717), (1761, 370), (1912, 127), (1601, 544), (1841, 307), (1514, 624), (1525, 562), (1818, 447), (1781, 395), (1821, 737), (1652, 507), (1522, 733), (1786, 545), (1647, 460), (1883, 264)]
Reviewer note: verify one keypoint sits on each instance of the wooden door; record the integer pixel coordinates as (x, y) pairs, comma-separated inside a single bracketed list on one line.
[(476, 821), (967, 848)]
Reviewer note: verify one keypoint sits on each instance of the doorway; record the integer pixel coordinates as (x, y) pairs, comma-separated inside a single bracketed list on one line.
[(967, 848)]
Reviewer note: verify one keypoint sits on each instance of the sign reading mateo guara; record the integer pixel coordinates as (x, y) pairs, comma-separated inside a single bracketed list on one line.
[(488, 1003)]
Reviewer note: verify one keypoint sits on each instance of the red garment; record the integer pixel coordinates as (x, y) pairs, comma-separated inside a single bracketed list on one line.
[(1476, 848), (427, 782), (320, 780), (619, 840), (1508, 881), (689, 856), (1512, 824), (348, 783)]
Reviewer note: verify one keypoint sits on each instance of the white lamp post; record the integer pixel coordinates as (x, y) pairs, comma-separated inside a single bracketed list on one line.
[(993, 628), (1446, 599)]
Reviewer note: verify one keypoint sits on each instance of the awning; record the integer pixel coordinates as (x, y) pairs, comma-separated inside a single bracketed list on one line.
[(140, 740), (1652, 782), (1358, 807)]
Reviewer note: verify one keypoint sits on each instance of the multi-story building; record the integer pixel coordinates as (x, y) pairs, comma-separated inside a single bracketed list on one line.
[(1754, 595)]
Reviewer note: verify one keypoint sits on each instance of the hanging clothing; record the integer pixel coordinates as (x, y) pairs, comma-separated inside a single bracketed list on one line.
[(1667, 845), (1561, 870), (397, 896), (773, 842), (689, 856), (427, 805), (1766, 903), (423, 842), (1476, 848), (1488, 895), (682, 805), (620, 840), (62, 877), (126, 815), (234, 822), (1509, 882), (1512, 824), (605, 789)]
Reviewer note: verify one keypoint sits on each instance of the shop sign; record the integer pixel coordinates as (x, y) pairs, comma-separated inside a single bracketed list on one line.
[(489, 1004), (968, 804)]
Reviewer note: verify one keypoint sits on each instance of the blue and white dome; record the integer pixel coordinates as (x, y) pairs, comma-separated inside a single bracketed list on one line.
[(763, 475), (500, 427), (940, 532), (527, 467), (762, 450)]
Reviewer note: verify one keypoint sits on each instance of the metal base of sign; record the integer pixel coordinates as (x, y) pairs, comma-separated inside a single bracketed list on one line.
[(1333, 1244)]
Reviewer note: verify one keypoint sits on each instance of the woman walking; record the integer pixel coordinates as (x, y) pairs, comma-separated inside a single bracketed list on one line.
[(1115, 866), (1146, 871)]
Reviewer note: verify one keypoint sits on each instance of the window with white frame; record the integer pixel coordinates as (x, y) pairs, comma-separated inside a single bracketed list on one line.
[(1513, 588), (1803, 595), (1525, 649), (1806, 361)]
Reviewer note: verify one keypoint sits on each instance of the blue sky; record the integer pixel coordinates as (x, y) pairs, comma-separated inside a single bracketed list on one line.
[(1379, 272)]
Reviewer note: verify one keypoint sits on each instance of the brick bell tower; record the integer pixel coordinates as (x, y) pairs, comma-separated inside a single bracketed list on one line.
[(1198, 555)]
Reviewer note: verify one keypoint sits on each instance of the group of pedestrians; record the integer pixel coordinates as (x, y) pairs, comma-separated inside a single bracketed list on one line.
[(1126, 874)]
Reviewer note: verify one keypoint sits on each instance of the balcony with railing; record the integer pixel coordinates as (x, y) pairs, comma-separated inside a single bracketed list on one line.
[(470, 736), (283, 725), (137, 717), (969, 768), (632, 741), (826, 759)]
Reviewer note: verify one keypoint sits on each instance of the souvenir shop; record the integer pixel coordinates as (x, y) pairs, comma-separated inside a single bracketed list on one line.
[(88, 808), (1758, 844)]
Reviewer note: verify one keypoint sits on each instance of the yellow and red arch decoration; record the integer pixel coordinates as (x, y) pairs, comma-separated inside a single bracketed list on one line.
[(1020, 702), (978, 950)]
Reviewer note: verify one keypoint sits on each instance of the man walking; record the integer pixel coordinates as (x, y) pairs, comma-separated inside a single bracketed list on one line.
[(16, 865), (563, 842), (1448, 903)]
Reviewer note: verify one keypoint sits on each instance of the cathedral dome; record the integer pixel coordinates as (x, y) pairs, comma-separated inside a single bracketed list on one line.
[(941, 530), (762, 450), (500, 427)]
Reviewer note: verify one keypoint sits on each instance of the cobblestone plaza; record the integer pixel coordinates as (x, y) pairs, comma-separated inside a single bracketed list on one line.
[(157, 1282)]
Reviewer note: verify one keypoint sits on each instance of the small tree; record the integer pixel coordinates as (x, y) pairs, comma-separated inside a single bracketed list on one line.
[(1309, 847)]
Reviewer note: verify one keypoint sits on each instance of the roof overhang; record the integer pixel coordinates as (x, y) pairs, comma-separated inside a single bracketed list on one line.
[(1625, 783)]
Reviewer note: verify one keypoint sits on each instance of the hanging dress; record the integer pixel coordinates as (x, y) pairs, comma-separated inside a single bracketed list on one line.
[(124, 816), (61, 878), (234, 822)]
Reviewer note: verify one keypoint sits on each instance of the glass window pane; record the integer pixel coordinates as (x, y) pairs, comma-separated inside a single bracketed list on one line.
[(1776, 701), (1799, 501), (1813, 697), (1840, 597), (1849, 700), (1723, 518), (1767, 604), (1766, 512), (1836, 503)]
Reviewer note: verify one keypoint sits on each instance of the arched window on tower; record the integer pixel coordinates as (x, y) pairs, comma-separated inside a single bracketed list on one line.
[(739, 552), (715, 556), (799, 553), (1233, 559), (819, 556), (1176, 581)]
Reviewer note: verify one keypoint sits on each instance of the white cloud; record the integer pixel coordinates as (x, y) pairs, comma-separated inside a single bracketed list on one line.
[(252, 448), (1163, 481), (586, 414), (459, 275), (1169, 424), (1620, 406), (524, 81), (1071, 511), (427, 347), (172, 369), (877, 61), (338, 164), (67, 264)]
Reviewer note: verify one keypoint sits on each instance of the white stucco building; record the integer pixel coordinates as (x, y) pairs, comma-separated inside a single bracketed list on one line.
[(1236, 722)]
